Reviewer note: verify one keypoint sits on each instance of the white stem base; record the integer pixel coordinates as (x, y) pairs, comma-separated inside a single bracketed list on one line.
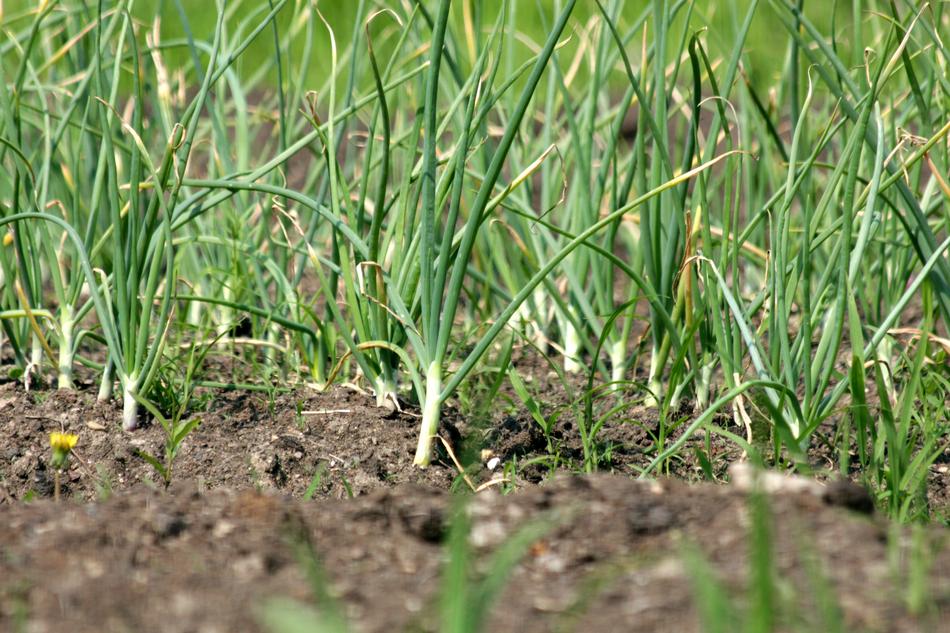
[(702, 393), (572, 348), (430, 415), (34, 366), (65, 377), (544, 313), (677, 396), (654, 386), (618, 360), (386, 394), (130, 410), (105, 385)]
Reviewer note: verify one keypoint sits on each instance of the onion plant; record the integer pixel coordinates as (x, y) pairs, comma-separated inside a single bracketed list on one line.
[(423, 291)]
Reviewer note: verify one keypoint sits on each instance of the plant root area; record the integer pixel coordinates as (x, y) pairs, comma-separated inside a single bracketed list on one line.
[(272, 498)]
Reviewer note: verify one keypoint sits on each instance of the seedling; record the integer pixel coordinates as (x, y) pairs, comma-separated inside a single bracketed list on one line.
[(177, 428)]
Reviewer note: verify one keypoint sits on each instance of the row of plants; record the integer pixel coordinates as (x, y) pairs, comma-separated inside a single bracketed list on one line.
[(608, 186)]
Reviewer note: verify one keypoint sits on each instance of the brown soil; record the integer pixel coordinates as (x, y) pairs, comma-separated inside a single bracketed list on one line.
[(120, 552), (610, 560), (244, 440), (250, 440)]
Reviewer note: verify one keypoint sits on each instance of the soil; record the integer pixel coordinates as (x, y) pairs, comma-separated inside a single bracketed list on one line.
[(268, 484), (244, 440), (186, 560)]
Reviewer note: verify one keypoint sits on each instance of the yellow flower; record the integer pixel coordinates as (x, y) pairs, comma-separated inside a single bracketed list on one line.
[(63, 441), (62, 444), (8, 239)]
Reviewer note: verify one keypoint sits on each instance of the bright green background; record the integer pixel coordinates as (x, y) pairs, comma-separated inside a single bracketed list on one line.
[(766, 45)]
